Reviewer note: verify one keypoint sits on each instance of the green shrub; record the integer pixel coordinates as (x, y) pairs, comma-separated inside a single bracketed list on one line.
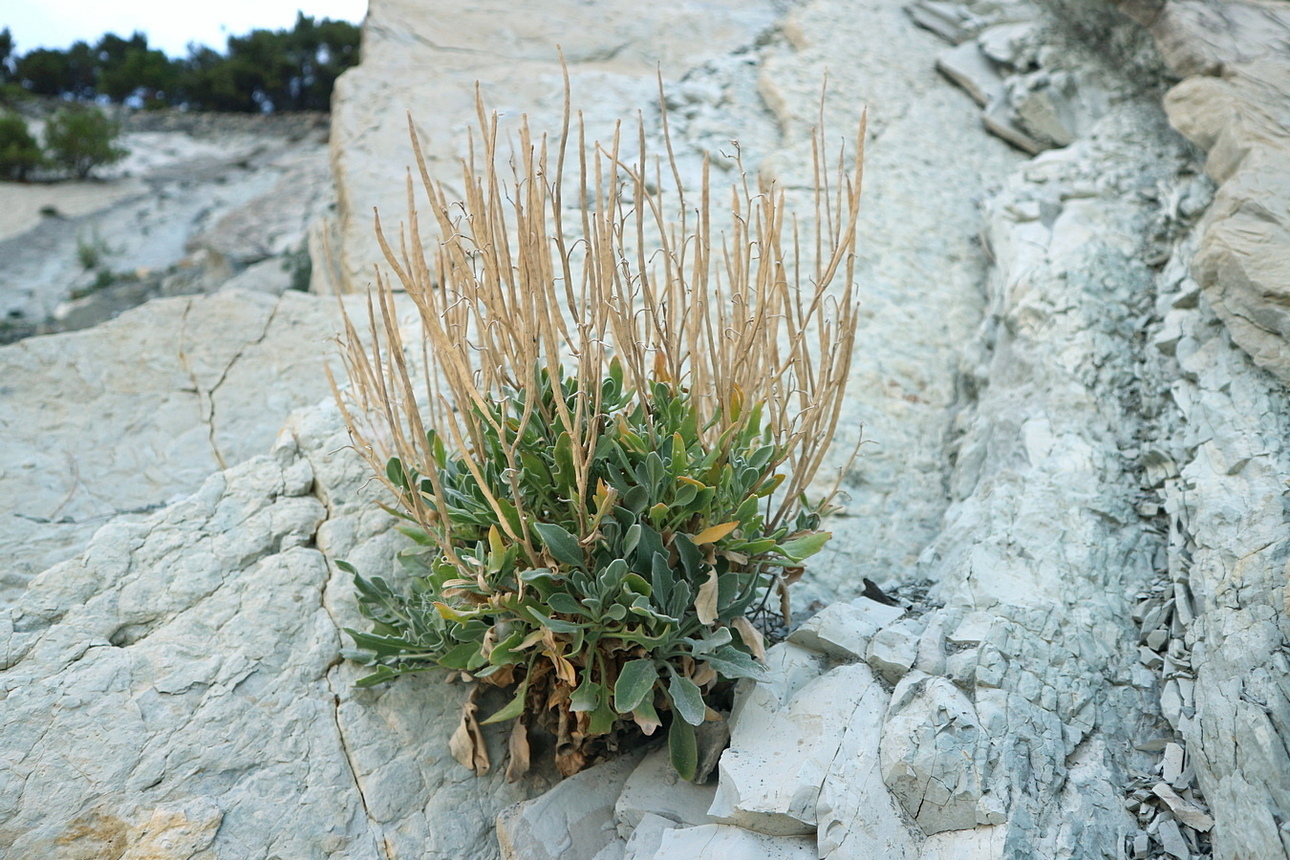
[(19, 152), (606, 479), (79, 139), (91, 252)]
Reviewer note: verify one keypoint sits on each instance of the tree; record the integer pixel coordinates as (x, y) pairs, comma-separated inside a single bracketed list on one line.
[(129, 68), (80, 139), (19, 152), (6, 55)]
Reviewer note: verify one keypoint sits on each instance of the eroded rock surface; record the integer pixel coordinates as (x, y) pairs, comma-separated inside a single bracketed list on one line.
[(1232, 105), (128, 417), (185, 667)]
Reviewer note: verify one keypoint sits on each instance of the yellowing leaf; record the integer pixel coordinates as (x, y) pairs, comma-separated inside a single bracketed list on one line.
[(705, 603), (449, 614), (751, 637), (712, 534)]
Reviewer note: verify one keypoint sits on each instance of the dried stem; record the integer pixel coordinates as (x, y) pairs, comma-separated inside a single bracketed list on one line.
[(505, 295)]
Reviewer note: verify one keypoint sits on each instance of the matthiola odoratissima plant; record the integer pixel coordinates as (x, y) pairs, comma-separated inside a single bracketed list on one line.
[(604, 462)]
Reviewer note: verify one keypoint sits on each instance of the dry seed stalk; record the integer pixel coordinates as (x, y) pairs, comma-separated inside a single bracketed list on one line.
[(505, 293)]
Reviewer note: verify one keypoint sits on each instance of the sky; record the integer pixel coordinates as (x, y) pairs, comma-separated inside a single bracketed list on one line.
[(170, 25)]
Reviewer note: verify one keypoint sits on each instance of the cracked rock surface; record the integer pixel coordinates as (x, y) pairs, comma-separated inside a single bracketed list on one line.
[(126, 417), (182, 673)]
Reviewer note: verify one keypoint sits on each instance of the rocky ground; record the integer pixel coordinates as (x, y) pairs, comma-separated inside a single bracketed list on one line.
[(1073, 368), (199, 204)]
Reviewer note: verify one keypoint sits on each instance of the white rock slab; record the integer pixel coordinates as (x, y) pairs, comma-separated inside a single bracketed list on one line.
[(654, 788), (894, 649), (181, 675), (781, 751), (573, 821), (856, 815), (645, 840), (933, 749), (147, 406), (843, 630), (731, 843), (983, 843)]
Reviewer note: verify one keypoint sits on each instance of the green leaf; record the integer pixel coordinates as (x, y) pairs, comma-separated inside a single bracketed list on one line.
[(803, 547), (512, 710), (683, 748), (602, 718), (380, 676), (381, 646), (564, 603), (554, 623), (655, 472), (503, 653), (691, 559), (512, 515), (588, 695), (630, 540), (661, 578), (534, 574), (562, 545), (634, 683), (465, 657), (394, 471), (634, 583), (711, 641), (733, 663), (687, 699), (565, 476), (747, 510)]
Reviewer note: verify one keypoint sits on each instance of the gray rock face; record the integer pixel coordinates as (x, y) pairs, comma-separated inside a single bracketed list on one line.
[(574, 820), (130, 416), (1233, 106), (934, 752), (512, 52), (178, 684)]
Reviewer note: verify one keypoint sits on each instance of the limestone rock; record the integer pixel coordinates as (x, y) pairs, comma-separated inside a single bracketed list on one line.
[(1040, 498), (894, 649), (147, 407), (715, 840), (782, 744), (968, 67), (856, 816), (645, 839), (275, 221), (183, 669), (1238, 117), (983, 843), (934, 751), (217, 190), (573, 820), (421, 58), (654, 788), (843, 630)]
